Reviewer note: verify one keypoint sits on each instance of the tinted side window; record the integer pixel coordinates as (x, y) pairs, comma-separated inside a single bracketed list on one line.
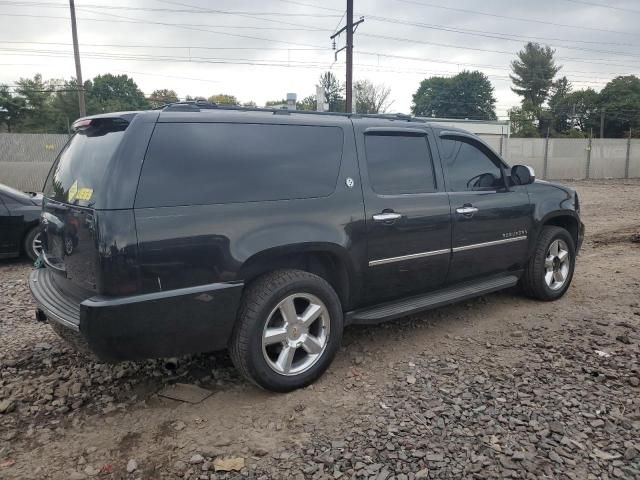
[(399, 164), (468, 168), (203, 163)]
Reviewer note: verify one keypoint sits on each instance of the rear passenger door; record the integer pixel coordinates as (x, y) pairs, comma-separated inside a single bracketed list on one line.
[(407, 212)]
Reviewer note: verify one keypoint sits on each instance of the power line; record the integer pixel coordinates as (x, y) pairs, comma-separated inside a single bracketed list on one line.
[(612, 7), (282, 49), (519, 19), (254, 62), (426, 4), (447, 45), (145, 22), (245, 61), (180, 47), (167, 10), (475, 65), (508, 37), (245, 15), (193, 27)]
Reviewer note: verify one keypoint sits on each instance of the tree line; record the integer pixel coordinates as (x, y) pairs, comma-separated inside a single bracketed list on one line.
[(36, 105), (549, 106)]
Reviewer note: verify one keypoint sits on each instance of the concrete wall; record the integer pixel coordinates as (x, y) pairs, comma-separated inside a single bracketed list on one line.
[(25, 159), (570, 158), (566, 158), (634, 159)]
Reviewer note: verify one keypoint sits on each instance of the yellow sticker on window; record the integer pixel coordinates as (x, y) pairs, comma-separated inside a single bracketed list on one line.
[(73, 191), (84, 194)]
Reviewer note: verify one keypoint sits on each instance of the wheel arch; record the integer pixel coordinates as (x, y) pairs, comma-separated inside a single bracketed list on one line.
[(564, 219), (328, 261)]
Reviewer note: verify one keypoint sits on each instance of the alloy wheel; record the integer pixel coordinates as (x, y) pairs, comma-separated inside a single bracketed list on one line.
[(296, 334), (36, 244), (557, 265)]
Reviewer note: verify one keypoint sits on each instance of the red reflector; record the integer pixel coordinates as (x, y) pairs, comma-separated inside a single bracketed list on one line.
[(81, 124)]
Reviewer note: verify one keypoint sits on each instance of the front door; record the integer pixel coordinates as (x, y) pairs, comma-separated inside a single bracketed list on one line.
[(407, 213), (491, 222)]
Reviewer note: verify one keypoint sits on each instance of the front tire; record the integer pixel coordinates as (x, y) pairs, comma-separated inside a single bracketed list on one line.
[(288, 330), (550, 269)]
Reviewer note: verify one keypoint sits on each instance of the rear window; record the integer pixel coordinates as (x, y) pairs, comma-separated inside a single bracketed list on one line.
[(205, 163), (80, 168)]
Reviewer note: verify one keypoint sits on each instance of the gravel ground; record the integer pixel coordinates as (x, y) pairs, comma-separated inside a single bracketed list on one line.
[(497, 387)]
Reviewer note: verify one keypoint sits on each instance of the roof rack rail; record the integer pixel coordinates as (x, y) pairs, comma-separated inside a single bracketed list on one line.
[(200, 104)]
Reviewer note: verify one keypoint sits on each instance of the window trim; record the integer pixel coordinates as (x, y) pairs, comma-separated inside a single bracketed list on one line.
[(400, 132), (476, 142)]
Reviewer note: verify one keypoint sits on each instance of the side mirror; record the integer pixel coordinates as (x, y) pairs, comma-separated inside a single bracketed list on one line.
[(522, 175)]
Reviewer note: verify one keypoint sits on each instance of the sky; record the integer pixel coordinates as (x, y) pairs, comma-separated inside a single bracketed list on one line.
[(261, 50)]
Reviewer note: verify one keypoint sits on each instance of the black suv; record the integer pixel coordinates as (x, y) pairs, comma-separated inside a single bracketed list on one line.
[(198, 228)]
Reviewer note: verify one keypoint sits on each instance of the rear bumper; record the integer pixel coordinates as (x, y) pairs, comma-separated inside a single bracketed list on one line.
[(152, 325)]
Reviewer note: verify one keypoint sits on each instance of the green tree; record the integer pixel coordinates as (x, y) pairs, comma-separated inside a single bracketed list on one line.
[(224, 99), (308, 104), (620, 99), (465, 95), (38, 112), (559, 114), (523, 122), (65, 106), (333, 92), (162, 96), (273, 103), (533, 73), (582, 108), (114, 93), (12, 108), (371, 98)]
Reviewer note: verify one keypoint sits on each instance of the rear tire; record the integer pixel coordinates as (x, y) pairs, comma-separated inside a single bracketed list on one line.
[(288, 330), (32, 243), (549, 271)]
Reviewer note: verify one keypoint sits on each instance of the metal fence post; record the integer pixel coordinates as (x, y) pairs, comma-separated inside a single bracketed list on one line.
[(589, 155), (545, 166), (628, 159)]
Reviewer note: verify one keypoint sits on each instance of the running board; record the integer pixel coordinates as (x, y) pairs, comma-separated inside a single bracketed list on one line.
[(400, 308)]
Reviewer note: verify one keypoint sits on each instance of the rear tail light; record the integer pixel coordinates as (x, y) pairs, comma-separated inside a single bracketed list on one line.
[(81, 124)]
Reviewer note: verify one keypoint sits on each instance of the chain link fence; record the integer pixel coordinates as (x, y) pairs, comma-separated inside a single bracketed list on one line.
[(26, 158)]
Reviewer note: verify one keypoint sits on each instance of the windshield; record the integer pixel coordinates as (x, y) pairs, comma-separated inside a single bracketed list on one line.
[(79, 170)]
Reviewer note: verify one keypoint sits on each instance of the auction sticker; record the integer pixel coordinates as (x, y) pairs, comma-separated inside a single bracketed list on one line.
[(73, 191)]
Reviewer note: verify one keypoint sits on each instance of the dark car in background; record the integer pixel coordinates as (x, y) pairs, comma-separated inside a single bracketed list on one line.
[(19, 223)]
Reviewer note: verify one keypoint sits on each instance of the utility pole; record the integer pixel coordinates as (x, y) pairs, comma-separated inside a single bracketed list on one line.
[(349, 93), (350, 29), (76, 53), (602, 123)]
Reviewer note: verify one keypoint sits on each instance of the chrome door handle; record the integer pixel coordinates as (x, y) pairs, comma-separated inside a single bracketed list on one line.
[(386, 217), (466, 210)]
